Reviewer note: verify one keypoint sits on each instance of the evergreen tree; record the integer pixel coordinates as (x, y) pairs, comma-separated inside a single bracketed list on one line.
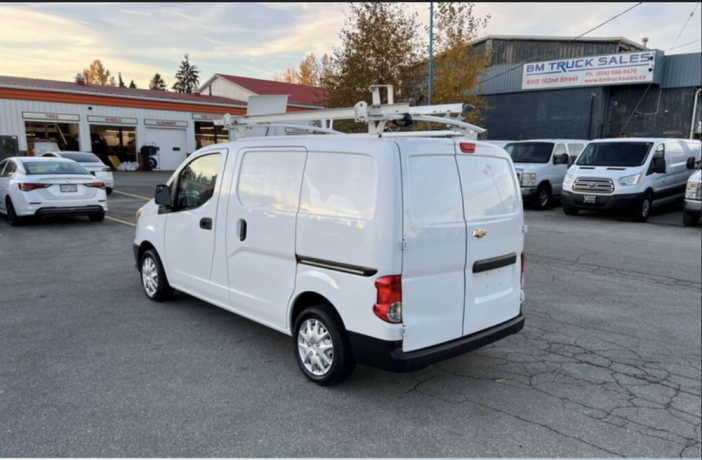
[(157, 83), (187, 77), (132, 84)]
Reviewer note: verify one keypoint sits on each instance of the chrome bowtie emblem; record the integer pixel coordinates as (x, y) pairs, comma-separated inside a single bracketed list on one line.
[(479, 233)]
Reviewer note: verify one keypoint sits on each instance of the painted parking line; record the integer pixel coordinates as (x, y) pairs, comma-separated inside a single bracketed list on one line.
[(121, 221), (132, 195), (126, 201)]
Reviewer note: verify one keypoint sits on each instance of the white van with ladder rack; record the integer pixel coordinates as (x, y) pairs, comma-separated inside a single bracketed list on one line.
[(389, 249)]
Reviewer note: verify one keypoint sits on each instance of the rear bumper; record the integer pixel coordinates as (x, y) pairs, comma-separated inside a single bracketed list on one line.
[(68, 211), (389, 356), (627, 202)]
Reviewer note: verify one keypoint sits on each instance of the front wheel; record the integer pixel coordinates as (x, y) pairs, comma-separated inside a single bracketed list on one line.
[(690, 220), (540, 200), (322, 348), (644, 208), (153, 277)]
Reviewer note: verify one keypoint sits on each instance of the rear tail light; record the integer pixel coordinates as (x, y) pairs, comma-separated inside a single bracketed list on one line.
[(96, 185), (467, 147), (522, 277), (26, 187), (389, 301)]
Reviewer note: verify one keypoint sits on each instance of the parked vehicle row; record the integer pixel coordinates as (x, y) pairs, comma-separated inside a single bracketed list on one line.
[(692, 206), (89, 161)]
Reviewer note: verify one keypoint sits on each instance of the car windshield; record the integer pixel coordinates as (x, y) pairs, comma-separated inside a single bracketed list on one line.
[(54, 167), (530, 152), (621, 154), (81, 157)]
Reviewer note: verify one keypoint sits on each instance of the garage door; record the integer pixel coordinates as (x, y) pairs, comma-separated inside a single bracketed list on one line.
[(172, 145)]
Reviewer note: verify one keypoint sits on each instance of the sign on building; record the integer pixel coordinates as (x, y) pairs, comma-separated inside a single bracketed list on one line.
[(612, 69)]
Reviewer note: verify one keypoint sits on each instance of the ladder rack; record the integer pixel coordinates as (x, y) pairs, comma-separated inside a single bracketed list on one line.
[(377, 116)]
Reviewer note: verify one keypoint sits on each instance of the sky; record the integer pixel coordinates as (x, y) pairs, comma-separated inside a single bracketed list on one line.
[(55, 41)]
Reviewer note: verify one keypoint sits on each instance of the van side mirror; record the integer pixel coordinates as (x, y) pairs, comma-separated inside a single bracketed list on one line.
[(162, 195), (561, 159), (690, 163), (659, 165)]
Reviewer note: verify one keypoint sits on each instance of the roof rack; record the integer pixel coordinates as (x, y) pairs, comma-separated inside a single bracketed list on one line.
[(378, 116)]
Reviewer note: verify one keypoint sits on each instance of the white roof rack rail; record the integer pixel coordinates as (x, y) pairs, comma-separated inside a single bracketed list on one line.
[(377, 116)]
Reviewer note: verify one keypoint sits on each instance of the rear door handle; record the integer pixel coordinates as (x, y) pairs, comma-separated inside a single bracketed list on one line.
[(206, 223), (242, 229)]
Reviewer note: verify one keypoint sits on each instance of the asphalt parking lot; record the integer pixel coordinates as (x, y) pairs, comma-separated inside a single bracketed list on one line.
[(608, 364)]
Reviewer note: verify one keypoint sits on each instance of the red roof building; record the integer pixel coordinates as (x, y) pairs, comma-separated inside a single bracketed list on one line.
[(240, 88)]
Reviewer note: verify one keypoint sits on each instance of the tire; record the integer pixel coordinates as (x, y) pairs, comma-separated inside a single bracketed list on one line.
[(569, 210), (644, 209), (108, 190), (96, 216), (541, 198), (153, 277), (12, 217), (321, 346), (690, 220)]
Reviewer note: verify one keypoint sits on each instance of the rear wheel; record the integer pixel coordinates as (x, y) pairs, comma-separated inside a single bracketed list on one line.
[(96, 216), (690, 220), (322, 348), (541, 198), (153, 277), (644, 208), (12, 216)]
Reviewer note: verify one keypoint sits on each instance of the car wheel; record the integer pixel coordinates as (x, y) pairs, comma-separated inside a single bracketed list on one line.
[(108, 190), (322, 348), (12, 216), (690, 220), (153, 277), (644, 209), (96, 216), (541, 198), (569, 210)]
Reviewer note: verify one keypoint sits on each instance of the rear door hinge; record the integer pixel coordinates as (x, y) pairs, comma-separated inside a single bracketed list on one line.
[(404, 244)]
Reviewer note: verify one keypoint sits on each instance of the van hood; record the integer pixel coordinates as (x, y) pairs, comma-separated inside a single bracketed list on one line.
[(529, 167), (609, 172)]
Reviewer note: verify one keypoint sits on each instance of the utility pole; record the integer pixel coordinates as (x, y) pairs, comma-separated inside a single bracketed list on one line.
[(431, 46)]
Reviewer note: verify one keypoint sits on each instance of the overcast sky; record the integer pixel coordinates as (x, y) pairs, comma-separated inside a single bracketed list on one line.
[(260, 40)]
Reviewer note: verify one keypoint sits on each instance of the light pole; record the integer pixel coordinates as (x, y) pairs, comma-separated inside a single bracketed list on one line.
[(431, 46)]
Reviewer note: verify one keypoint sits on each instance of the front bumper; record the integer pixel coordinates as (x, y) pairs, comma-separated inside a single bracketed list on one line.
[(389, 356), (627, 202), (693, 207), (528, 192)]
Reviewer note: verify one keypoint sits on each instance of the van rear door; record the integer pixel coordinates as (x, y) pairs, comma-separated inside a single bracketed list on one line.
[(495, 241), (434, 240)]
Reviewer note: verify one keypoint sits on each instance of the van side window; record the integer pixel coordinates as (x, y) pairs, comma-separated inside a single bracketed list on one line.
[(341, 185), (575, 149), (489, 187), (271, 179), (196, 182), (560, 149)]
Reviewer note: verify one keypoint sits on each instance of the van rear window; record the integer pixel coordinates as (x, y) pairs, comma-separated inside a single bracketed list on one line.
[(489, 187)]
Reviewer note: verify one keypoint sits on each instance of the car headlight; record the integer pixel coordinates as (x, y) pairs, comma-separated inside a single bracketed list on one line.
[(692, 190), (568, 179), (630, 180), (528, 179)]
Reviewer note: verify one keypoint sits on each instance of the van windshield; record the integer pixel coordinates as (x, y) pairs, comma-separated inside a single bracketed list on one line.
[(622, 154), (530, 152)]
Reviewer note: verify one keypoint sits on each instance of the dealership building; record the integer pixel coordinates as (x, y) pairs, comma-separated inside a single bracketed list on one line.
[(587, 88), (116, 121)]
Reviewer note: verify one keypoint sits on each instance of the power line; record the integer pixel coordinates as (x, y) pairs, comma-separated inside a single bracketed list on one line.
[(518, 66), (683, 28)]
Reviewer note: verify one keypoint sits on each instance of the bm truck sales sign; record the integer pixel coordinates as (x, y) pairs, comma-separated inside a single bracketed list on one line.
[(596, 70)]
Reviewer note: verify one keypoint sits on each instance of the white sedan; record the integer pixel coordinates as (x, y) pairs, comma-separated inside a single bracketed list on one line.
[(45, 187), (91, 162)]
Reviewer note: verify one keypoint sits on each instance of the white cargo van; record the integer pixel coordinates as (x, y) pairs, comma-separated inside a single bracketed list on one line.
[(541, 165), (692, 206), (631, 175), (382, 249)]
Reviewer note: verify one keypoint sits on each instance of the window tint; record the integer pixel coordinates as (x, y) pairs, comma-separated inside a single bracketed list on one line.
[(622, 154), (54, 167), (435, 190), (489, 187), (196, 182), (271, 179), (339, 185), (530, 152)]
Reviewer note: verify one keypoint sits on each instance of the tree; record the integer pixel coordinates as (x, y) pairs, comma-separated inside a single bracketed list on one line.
[(97, 74), (309, 71), (121, 83), (458, 68), (132, 84), (187, 77), (379, 39), (289, 76), (158, 84)]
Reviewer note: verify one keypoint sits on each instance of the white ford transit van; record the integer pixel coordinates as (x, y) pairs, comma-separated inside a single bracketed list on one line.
[(541, 165), (692, 206), (629, 174), (381, 250)]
